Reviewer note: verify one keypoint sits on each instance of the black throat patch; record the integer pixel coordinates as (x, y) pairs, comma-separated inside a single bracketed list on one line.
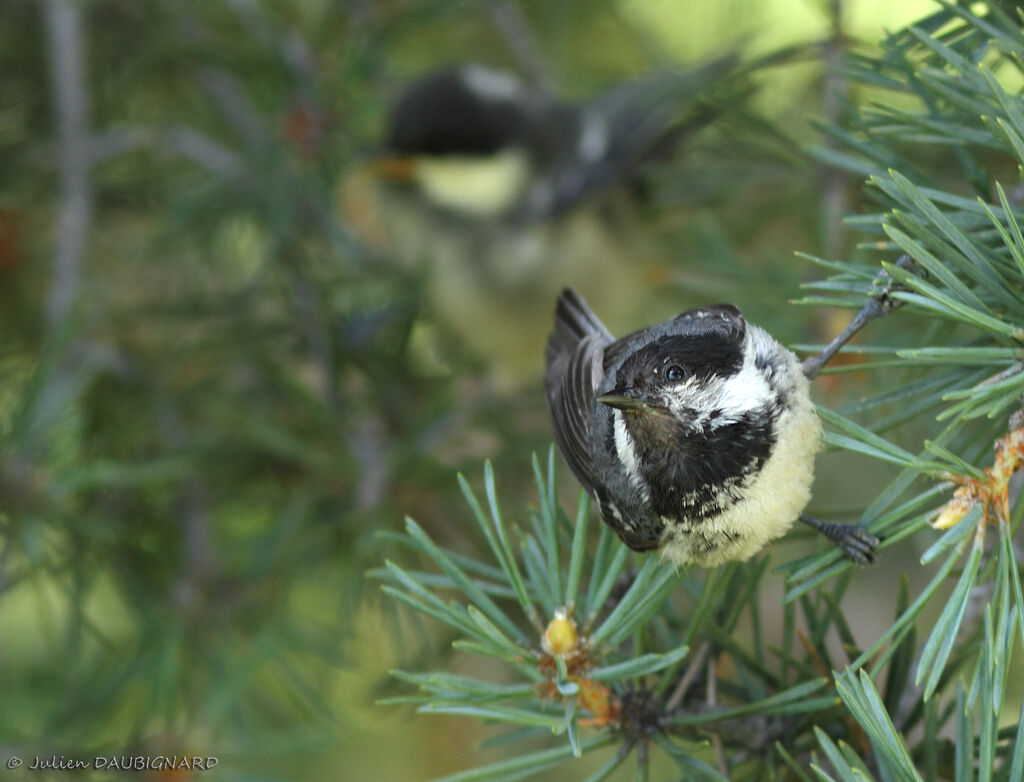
[(693, 474)]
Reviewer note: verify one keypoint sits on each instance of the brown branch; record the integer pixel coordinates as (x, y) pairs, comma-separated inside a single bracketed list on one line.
[(691, 672), (716, 737)]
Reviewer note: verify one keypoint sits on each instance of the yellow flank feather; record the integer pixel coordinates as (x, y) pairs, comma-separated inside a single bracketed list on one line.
[(479, 187)]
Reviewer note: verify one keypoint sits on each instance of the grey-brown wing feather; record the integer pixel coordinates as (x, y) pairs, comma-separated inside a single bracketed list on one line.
[(574, 369)]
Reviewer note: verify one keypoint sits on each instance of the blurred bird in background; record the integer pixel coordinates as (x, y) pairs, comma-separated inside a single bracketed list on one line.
[(503, 194)]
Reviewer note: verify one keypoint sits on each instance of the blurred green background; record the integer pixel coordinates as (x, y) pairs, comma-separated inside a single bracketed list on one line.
[(219, 380)]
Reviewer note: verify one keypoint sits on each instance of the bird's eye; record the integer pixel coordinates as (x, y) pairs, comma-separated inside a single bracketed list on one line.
[(674, 373)]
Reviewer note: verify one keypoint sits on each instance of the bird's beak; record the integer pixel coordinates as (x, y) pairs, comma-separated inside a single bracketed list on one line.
[(394, 168), (624, 399)]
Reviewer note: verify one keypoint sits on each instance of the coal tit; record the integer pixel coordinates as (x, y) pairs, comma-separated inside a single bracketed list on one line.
[(479, 143), (696, 436)]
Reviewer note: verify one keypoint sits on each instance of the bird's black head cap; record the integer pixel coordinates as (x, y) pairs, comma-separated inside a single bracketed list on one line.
[(445, 113), (696, 345)]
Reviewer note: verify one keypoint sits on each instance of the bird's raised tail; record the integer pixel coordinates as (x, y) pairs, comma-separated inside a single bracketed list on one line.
[(574, 322), (573, 370)]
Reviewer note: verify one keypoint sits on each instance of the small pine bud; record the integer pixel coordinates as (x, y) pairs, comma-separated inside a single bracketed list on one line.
[(954, 510), (560, 637)]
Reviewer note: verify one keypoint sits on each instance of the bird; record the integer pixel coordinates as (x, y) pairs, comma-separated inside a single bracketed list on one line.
[(696, 437), (497, 194), (478, 142)]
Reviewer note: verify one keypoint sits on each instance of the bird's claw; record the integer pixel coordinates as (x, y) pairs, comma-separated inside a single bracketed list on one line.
[(856, 543)]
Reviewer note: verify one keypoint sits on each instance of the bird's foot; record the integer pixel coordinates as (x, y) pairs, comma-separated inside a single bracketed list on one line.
[(857, 544)]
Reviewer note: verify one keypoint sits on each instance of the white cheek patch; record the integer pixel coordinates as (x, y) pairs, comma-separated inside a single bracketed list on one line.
[(745, 391), (731, 397)]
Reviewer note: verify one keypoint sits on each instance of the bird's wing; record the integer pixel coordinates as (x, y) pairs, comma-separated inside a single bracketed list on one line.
[(624, 126), (574, 369)]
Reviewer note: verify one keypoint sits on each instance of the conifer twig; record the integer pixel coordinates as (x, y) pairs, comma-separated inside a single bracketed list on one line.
[(879, 303), (691, 673)]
